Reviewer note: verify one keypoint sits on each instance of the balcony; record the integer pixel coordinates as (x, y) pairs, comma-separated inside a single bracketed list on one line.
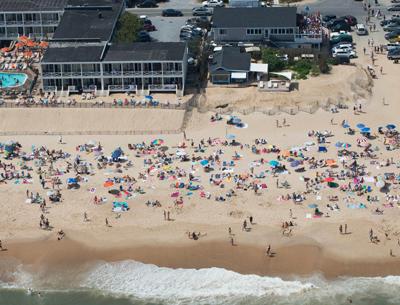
[(122, 88), (51, 74), (132, 73), (173, 72), (93, 73), (308, 38), (164, 88)]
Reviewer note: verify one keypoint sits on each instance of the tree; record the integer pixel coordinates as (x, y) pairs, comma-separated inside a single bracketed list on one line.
[(270, 56), (128, 27)]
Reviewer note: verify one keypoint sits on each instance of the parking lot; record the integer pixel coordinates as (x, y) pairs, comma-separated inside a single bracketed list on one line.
[(168, 27)]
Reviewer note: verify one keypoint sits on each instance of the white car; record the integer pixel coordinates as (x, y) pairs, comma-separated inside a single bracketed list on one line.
[(213, 3), (349, 54), (345, 48)]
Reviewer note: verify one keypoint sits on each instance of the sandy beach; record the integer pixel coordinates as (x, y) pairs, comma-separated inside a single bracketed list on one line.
[(314, 245)]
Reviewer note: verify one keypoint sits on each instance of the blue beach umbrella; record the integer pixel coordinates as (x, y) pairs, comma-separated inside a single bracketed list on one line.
[(391, 126), (273, 163), (339, 144), (346, 125), (230, 136), (360, 126), (204, 162), (365, 130)]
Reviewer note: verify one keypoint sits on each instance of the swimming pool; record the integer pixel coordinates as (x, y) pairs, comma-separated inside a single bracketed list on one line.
[(9, 80)]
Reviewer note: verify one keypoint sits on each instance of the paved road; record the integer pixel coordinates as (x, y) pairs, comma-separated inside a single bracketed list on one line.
[(151, 12)]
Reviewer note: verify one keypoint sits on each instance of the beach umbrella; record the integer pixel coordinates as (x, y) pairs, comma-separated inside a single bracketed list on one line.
[(338, 144), (175, 195), (295, 163), (23, 38), (346, 145), (366, 130), (391, 126), (329, 179), (333, 184), (360, 126), (330, 162), (149, 97), (230, 136), (116, 153), (114, 192), (346, 125), (273, 163), (204, 162), (313, 206), (157, 142)]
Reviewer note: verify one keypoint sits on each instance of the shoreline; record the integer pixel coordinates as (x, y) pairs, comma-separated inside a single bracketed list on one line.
[(297, 260)]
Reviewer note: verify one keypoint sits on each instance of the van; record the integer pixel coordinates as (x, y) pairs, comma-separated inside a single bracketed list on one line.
[(361, 30)]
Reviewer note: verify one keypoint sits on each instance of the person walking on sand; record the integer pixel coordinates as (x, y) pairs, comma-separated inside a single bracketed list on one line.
[(232, 241), (345, 228), (284, 122), (85, 217), (341, 229), (107, 224), (269, 250), (1, 245), (244, 227), (165, 215)]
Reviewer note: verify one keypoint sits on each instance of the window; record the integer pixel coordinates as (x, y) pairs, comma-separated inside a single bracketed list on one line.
[(222, 31), (253, 31)]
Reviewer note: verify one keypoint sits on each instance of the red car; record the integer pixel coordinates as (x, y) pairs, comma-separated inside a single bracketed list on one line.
[(149, 27)]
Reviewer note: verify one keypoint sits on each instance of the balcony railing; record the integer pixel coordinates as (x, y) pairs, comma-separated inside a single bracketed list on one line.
[(50, 88), (162, 87), (90, 88), (51, 74), (312, 38), (122, 88)]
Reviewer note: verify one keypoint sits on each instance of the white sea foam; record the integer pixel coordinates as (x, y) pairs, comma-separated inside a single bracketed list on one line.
[(17, 278), (149, 281)]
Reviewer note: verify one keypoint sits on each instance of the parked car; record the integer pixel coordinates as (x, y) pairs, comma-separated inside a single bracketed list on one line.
[(394, 54), (340, 27), (336, 21), (328, 18), (148, 4), (351, 20), (395, 1), (149, 27), (170, 12), (143, 36), (361, 29), (343, 47), (385, 22), (392, 46), (394, 8), (340, 38), (392, 35), (391, 26), (202, 11), (213, 3), (347, 53)]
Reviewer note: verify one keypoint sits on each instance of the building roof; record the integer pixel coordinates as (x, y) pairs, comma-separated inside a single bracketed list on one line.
[(73, 54), (230, 59), (254, 17), (32, 5), (93, 21), (146, 51)]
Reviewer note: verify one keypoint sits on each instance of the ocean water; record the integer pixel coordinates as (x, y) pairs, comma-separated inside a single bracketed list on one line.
[(134, 283)]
